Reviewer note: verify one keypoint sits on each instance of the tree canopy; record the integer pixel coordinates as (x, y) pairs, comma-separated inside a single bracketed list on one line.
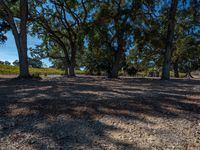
[(108, 36)]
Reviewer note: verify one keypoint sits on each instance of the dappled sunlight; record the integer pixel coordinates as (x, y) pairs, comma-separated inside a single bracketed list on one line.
[(43, 88), (99, 75), (93, 114), (14, 111)]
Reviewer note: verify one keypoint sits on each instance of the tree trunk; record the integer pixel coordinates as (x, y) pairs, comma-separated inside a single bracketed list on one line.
[(98, 72), (19, 36), (169, 41), (114, 72), (189, 75), (188, 71), (23, 64), (116, 62), (176, 70), (23, 58), (72, 71), (73, 60), (66, 69)]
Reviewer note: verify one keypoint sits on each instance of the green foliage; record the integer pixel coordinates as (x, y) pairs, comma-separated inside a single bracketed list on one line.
[(4, 27), (97, 34), (61, 26), (16, 63), (95, 61), (35, 63)]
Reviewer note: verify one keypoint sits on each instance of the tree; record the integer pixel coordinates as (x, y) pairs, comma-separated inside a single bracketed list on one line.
[(169, 41), (186, 48), (20, 34), (4, 27), (7, 63), (35, 63), (16, 63), (115, 23), (151, 38), (1, 62), (95, 60), (62, 29)]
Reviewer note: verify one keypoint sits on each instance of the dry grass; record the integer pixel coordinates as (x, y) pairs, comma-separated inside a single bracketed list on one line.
[(97, 113)]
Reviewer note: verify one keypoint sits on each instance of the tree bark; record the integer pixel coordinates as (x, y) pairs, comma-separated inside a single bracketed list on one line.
[(176, 69), (72, 71), (116, 62), (114, 72), (19, 36), (169, 41), (23, 57), (73, 60), (66, 69)]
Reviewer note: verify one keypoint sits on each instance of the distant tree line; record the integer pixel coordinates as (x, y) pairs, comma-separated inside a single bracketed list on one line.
[(35, 63), (107, 36), (5, 63)]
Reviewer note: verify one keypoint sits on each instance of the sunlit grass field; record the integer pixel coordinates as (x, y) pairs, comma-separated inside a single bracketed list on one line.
[(5, 69)]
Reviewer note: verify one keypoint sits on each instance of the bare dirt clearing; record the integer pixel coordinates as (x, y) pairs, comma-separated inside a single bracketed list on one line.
[(96, 113)]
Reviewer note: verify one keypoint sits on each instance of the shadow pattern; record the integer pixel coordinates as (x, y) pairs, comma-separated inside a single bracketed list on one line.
[(84, 112)]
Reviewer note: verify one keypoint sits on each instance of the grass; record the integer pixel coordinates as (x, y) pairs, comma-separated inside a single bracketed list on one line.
[(5, 69)]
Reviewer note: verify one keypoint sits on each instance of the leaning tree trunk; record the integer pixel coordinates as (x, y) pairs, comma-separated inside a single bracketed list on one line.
[(189, 75), (169, 41), (19, 36)]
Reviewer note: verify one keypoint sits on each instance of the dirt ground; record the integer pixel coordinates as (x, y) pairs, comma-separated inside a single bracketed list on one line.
[(94, 113)]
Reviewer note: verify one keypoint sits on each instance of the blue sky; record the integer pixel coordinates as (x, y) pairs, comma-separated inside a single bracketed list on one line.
[(8, 50)]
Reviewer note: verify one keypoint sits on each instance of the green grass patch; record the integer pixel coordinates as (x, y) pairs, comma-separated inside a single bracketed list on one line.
[(80, 72), (5, 69), (45, 71)]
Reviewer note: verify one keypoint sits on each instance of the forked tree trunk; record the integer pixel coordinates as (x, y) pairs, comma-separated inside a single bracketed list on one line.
[(69, 66), (169, 41)]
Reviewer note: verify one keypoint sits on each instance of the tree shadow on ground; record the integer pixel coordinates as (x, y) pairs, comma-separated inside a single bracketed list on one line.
[(70, 113)]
